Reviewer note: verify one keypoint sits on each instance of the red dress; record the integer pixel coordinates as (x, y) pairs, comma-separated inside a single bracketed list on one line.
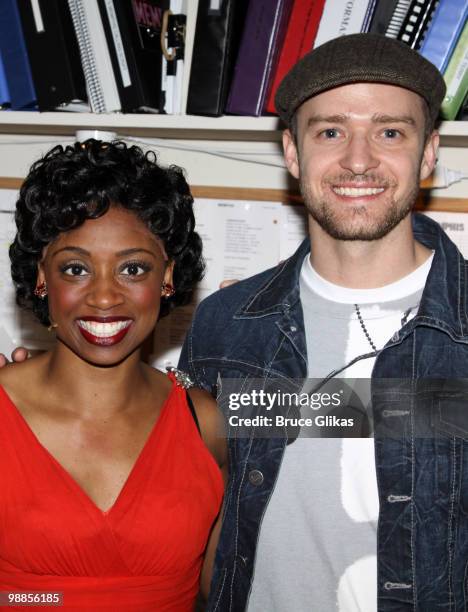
[(144, 554)]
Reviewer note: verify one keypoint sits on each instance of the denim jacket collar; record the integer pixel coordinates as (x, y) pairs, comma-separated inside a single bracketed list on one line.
[(443, 303), (281, 292)]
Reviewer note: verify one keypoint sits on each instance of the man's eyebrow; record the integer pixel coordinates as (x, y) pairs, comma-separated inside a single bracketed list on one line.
[(326, 119), (84, 252), (378, 118)]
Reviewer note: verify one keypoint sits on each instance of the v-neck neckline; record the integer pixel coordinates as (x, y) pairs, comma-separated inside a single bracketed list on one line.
[(81, 492)]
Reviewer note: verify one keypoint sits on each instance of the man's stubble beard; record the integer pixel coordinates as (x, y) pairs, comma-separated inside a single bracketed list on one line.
[(322, 212)]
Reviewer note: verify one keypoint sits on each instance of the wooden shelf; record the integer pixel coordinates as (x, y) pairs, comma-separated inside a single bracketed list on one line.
[(186, 127)]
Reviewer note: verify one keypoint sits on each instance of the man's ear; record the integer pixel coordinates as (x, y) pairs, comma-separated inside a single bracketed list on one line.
[(429, 158), (290, 153)]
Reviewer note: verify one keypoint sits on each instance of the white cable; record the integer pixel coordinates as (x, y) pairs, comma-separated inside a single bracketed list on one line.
[(215, 152), (444, 177), (15, 143)]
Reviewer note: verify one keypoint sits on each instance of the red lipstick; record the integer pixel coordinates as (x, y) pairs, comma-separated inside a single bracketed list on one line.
[(93, 329)]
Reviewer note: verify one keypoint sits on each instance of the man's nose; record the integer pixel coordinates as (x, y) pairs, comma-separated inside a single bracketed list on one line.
[(104, 292), (359, 155)]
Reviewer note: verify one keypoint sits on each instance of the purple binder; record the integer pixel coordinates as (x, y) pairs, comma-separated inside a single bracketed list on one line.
[(264, 30)]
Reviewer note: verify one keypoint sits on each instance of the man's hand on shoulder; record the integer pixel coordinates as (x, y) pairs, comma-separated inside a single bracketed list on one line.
[(19, 354), (227, 282)]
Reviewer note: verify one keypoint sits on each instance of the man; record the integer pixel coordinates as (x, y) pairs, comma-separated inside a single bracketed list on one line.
[(376, 292)]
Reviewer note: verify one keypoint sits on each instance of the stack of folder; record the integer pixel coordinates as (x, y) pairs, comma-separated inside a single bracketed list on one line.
[(201, 57)]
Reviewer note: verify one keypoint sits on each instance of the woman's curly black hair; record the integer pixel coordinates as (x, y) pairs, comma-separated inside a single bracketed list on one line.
[(70, 185)]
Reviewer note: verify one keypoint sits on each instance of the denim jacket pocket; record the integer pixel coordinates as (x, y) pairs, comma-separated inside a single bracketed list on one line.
[(450, 414)]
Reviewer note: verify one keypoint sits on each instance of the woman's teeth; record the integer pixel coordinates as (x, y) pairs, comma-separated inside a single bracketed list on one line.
[(104, 330)]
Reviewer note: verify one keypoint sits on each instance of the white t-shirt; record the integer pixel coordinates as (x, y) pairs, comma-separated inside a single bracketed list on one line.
[(317, 543)]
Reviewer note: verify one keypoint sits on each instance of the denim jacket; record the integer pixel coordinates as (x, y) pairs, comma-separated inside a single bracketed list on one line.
[(255, 329)]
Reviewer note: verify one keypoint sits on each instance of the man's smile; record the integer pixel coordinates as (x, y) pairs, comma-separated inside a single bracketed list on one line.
[(357, 192)]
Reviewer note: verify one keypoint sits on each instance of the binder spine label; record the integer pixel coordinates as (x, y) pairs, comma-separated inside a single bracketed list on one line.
[(339, 18), (37, 15), (458, 77), (118, 44), (346, 19)]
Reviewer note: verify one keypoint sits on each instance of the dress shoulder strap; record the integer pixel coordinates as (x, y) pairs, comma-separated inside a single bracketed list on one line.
[(182, 378), (192, 410)]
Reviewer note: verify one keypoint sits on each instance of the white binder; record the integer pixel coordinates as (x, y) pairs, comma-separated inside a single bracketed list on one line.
[(102, 89)]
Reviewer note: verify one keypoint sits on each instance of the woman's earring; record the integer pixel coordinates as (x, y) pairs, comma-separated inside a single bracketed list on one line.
[(52, 326), (41, 290), (167, 290)]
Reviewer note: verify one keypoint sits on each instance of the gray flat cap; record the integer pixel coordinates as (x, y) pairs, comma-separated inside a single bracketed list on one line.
[(358, 58)]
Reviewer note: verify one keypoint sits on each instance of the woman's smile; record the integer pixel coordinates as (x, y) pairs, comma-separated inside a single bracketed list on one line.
[(104, 331)]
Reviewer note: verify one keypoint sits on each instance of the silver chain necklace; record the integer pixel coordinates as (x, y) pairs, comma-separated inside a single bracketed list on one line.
[(404, 319)]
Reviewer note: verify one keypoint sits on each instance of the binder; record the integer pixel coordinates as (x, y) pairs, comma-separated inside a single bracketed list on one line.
[(173, 50), (53, 53), (133, 33), (101, 86), (447, 23), (416, 22), (190, 30), (15, 58), (368, 16), (4, 91), (300, 36), (339, 18), (456, 78), (384, 12), (263, 34), (463, 112), (406, 20), (217, 38)]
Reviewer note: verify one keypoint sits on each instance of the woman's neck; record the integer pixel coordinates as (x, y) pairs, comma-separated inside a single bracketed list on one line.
[(95, 389)]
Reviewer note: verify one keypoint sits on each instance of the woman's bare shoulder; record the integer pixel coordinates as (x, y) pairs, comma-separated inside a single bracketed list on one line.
[(159, 381), (211, 423), (19, 379)]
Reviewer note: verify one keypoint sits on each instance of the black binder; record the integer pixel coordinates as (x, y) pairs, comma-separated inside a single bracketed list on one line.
[(416, 22), (383, 13), (133, 32), (217, 39), (53, 53)]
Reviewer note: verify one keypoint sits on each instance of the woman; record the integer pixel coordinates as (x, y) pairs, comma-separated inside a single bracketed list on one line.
[(110, 482)]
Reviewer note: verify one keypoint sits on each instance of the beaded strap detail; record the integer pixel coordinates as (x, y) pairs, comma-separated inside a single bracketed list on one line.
[(182, 378)]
